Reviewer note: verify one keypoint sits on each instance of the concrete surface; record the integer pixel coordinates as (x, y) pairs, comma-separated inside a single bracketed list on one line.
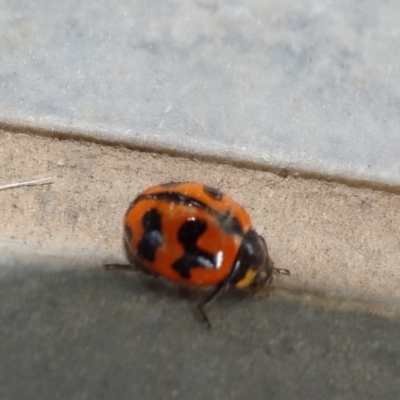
[(306, 86), (78, 334), (337, 241)]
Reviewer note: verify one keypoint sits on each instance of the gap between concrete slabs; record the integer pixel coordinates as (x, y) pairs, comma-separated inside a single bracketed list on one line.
[(336, 240)]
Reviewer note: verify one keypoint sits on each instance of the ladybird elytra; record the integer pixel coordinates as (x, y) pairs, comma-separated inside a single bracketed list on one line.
[(194, 234)]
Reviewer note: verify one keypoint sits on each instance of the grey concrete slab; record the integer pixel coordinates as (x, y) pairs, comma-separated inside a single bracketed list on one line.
[(309, 85), (336, 240), (74, 334)]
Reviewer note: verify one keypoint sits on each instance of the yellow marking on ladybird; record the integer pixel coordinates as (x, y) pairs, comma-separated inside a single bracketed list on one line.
[(248, 279)]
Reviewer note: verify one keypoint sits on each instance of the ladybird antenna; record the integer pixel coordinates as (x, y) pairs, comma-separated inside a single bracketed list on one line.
[(281, 271)]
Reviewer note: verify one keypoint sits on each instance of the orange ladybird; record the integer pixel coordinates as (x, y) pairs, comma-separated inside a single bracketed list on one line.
[(194, 234)]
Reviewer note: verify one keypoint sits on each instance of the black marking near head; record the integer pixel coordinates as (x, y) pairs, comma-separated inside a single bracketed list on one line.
[(212, 192), (252, 254), (152, 236), (194, 257)]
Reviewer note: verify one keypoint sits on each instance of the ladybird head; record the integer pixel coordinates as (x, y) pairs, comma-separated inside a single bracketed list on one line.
[(253, 268)]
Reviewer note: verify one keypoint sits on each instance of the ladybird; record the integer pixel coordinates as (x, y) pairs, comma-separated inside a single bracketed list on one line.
[(196, 235)]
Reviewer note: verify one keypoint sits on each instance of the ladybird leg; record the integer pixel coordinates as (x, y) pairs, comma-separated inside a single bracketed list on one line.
[(281, 271), (210, 298), (203, 316)]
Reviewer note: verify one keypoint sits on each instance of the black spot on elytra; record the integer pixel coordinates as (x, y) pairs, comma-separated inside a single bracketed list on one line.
[(194, 257), (152, 237), (230, 224), (212, 192)]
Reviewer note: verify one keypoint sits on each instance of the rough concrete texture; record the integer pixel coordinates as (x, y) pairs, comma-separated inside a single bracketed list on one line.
[(306, 85), (336, 240), (82, 334), (71, 330)]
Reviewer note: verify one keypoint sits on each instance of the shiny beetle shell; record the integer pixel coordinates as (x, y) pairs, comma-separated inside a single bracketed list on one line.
[(194, 234)]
